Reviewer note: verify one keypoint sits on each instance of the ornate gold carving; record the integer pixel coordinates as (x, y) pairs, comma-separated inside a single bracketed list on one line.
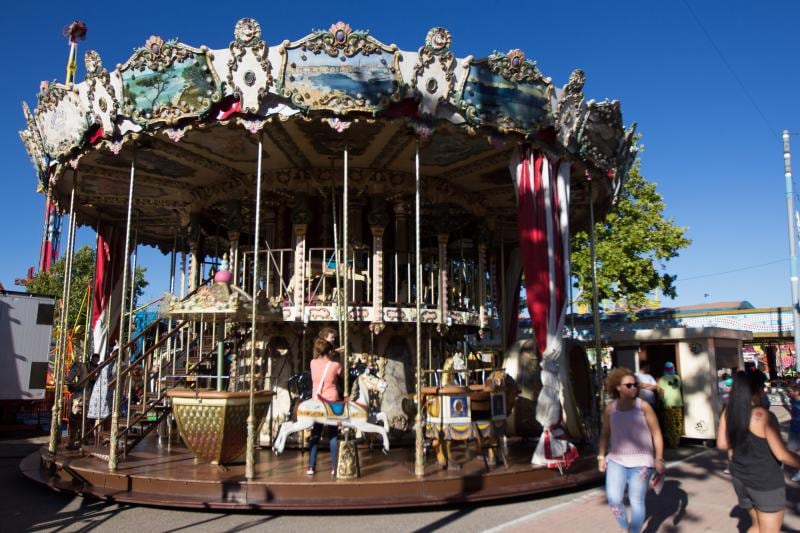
[(347, 466), (61, 118), (341, 38), (437, 45), (570, 111), (32, 140), (514, 67), (248, 37)]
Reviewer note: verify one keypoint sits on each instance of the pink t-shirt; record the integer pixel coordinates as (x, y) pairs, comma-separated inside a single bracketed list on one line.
[(328, 392), (631, 440)]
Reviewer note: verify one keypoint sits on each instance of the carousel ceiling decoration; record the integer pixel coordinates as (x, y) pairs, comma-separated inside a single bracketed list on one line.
[(340, 70), (196, 116), (165, 82)]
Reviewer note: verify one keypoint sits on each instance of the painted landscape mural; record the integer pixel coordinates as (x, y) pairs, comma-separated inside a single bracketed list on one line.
[(322, 78), (499, 101), (186, 86)]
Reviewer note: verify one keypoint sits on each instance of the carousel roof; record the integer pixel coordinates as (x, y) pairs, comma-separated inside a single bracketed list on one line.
[(192, 119)]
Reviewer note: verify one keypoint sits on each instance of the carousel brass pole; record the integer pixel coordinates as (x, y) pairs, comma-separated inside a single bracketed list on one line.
[(250, 454), (419, 455), (347, 466), (343, 310), (338, 259), (59, 362), (112, 452)]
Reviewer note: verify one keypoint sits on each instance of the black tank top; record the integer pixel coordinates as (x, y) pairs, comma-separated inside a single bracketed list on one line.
[(756, 467)]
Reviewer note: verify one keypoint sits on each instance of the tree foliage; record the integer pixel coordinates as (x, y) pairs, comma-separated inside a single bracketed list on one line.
[(633, 243), (51, 283)]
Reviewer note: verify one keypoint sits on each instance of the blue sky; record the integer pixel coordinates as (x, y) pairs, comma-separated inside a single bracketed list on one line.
[(710, 83)]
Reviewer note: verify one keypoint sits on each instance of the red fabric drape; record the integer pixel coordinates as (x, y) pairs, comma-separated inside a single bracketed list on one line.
[(542, 242), (107, 288)]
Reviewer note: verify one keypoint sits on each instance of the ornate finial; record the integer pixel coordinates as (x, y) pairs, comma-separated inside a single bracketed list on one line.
[(340, 32), (576, 81), (438, 40), (154, 44), (247, 31), (223, 275), (75, 31), (93, 63), (516, 58)]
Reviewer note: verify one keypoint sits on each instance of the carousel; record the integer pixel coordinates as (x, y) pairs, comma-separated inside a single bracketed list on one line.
[(399, 198)]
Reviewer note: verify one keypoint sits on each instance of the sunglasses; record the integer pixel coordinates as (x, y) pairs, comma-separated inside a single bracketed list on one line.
[(630, 385)]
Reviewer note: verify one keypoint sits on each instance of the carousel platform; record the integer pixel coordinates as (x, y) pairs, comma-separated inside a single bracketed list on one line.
[(160, 475)]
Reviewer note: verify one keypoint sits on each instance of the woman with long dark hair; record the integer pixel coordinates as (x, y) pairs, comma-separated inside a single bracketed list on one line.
[(632, 437), (751, 435)]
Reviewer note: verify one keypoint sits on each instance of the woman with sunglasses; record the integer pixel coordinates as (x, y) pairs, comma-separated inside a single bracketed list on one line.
[(632, 437), (752, 437)]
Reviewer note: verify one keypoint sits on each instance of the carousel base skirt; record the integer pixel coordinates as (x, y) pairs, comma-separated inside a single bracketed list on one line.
[(161, 475)]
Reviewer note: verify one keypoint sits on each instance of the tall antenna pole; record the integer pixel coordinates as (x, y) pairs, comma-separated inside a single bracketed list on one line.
[(792, 220)]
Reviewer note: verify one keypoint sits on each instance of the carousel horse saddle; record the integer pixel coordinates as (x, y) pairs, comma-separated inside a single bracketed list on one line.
[(335, 409)]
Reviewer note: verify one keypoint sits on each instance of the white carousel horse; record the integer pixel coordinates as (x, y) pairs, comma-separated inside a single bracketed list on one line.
[(350, 414)]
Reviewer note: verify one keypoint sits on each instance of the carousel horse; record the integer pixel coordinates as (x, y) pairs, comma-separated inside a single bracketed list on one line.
[(348, 414)]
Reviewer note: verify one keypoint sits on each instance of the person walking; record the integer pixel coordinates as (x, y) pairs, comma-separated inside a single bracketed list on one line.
[(751, 436), (632, 437), (672, 401), (324, 373)]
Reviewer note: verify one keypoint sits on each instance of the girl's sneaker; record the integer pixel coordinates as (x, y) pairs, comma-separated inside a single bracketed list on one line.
[(310, 471), (796, 476)]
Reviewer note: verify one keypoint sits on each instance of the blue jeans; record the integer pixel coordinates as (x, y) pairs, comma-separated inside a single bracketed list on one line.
[(637, 479), (316, 433)]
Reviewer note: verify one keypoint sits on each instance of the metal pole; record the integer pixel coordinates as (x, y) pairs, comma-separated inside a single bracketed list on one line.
[(419, 455), (787, 168), (250, 454), (58, 364), (598, 355), (343, 310), (112, 453), (338, 257)]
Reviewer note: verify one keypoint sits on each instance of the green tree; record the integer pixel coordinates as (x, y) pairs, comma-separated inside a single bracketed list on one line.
[(632, 243), (51, 283)]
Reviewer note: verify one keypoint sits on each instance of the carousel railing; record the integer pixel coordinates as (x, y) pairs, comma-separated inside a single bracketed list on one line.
[(463, 283), (146, 368), (322, 268), (277, 276), (399, 274)]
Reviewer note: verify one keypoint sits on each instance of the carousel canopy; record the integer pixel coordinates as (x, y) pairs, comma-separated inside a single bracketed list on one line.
[(192, 118)]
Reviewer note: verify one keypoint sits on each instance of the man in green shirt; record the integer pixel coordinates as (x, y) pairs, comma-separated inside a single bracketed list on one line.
[(672, 398)]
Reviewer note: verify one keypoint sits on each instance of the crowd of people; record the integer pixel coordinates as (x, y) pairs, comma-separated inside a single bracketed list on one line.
[(644, 415)]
